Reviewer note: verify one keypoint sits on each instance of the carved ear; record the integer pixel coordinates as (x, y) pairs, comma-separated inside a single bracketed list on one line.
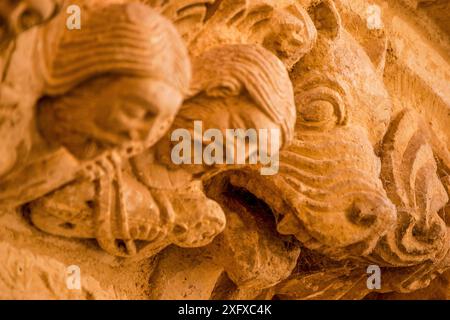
[(326, 18)]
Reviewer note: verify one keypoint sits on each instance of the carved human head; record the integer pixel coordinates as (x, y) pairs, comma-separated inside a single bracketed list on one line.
[(238, 87), (282, 27), (121, 84)]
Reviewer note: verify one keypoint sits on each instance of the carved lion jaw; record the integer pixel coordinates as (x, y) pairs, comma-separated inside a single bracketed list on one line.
[(330, 199)]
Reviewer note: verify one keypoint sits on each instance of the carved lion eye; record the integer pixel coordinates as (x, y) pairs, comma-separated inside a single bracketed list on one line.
[(317, 111), (320, 107)]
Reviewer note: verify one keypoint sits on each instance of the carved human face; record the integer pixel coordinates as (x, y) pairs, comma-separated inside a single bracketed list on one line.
[(282, 27), (123, 91), (107, 113), (144, 110), (239, 87), (287, 30)]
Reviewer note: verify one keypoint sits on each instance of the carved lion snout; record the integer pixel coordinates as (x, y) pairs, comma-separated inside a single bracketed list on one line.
[(327, 194)]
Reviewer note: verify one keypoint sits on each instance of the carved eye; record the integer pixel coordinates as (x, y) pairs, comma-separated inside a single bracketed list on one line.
[(141, 110), (135, 112), (320, 107), (317, 111)]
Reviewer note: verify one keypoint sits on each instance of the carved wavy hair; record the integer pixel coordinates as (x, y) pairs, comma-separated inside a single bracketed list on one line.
[(138, 43), (234, 69)]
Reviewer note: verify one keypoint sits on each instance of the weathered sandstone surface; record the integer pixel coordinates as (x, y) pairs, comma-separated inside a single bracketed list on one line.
[(92, 205)]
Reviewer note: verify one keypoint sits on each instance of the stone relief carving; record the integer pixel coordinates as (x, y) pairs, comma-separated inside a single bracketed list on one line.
[(332, 150), (86, 118), (175, 212), (151, 60)]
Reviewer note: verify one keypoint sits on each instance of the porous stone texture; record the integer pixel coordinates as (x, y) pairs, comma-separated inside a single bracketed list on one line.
[(90, 195)]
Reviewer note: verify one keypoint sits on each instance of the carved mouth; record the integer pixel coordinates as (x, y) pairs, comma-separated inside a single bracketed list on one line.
[(356, 214), (254, 254), (236, 197)]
